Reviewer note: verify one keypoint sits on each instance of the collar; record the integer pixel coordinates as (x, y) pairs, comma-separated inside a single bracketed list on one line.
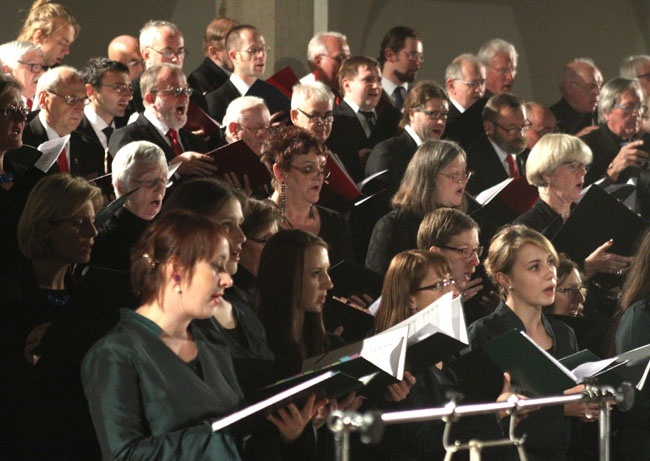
[(51, 133), (510, 319), (160, 126), (354, 106), (502, 155), (389, 86), (414, 135), (457, 105), (95, 120), (239, 84)]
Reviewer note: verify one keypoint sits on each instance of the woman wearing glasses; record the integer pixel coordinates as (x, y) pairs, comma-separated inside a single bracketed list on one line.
[(435, 178), (296, 159), (569, 294)]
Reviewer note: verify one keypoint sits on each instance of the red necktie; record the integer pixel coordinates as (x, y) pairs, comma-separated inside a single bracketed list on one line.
[(63, 162), (30, 103), (512, 166), (176, 145)]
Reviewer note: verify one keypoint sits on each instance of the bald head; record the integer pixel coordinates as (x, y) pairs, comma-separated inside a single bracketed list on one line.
[(126, 49), (580, 86), (542, 120)]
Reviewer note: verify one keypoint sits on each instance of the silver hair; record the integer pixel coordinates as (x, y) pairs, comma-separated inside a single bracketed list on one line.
[(239, 105), (11, 52), (612, 91), (551, 151), (630, 64), (316, 91), (51, 79), (454, 70), (150, 28), (316, 46), (490, 48), (131, 156)]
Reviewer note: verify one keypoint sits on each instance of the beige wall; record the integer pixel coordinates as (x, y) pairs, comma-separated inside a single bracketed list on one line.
[(547, 33)]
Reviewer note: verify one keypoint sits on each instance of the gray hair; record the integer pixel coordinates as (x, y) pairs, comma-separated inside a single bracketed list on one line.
[(316, 91), (610, 93), (630, 64), (131, 156), (239, 105), (454, 70), (490, 48), (316, 46), (569, 72), (51, 79), (150, 75), (551, 151), (11, 52), (150, 28)]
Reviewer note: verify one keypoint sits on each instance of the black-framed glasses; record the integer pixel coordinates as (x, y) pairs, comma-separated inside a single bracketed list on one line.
[(465, 252), (254, 50), (572, 291), (515, 130), (312, 172), (473, 83), (323, 119), (71, 100), (34, 68), (340, 58), (629, 109), (119, 87), (440, 285), (257, 132), (168, 53), (458, 177), (575, 166), (256, 240), (152, 183), (413, 55), (14, 111), (434, 114), (175, 91)]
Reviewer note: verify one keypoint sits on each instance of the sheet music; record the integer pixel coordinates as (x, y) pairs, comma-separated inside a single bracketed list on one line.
[(51, 150), (564, 369), (589, 369), (488, 194)]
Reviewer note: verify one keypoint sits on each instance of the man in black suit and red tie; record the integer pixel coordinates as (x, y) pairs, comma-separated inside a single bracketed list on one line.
[(166, 99)]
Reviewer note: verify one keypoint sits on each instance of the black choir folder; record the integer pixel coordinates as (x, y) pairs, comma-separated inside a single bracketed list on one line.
[(239, 159), (357, 322)]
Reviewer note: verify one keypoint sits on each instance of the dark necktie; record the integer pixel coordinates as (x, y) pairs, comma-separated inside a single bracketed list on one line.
[(176, 145), (512, 166), (399, 97), (370, 116), (108, 131)]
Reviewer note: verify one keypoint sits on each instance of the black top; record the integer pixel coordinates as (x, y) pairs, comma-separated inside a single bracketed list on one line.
[(570, 121), (542, 218), (394, 233), (207, 77)]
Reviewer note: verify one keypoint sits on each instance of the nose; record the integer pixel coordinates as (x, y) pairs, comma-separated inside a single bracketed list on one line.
[(327, 282), (91, 230), (474, 260), (239, 236), (225, 280)]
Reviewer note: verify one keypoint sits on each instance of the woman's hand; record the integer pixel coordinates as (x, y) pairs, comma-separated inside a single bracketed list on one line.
[(600, 261), (507, 394), (399, 391), (471, 289), (33, 341), (351, 402), (587, 412), (291, 421)]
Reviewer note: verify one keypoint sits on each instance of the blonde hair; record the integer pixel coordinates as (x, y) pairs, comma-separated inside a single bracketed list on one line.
[(43, 16), (551, 151)]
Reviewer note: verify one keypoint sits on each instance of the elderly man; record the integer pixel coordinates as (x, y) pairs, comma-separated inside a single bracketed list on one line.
[(166, 98), (618, 147), (542, 122), (465, 82), (580, 87), (108, 87), (61, 94), (247, 50), (497, 154), (126, 49), (216, 67), (500, 60), (637, 67), (400, 57), (247, 118), (311, 108), (25, 62), (326, 52)]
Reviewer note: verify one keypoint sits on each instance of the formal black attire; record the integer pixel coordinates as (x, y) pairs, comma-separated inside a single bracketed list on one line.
[(207, 77), (467, 128), (397, 231), (570, 121), (547, 428), (541, 218), (348, 136), (487, 166), (605, 145), (334, 229), (453, 115)]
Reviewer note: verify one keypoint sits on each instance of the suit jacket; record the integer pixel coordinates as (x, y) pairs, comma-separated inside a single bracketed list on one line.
[(453, 114), (568, 120), (86, 157), (348, 137), (143, 130), (488, 170), (467, 128), (207, 77)]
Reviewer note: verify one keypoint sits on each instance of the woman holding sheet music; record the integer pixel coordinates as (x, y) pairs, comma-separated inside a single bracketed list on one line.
[(523, 264)]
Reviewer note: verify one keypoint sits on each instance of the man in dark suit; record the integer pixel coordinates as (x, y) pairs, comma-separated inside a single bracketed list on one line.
[(216, 67), (358, 122), (500, 60), (497, 155), (326, 52), (166, 100), (247, 50), (576, 111), (619, 147), (465, 82), (62, 95)]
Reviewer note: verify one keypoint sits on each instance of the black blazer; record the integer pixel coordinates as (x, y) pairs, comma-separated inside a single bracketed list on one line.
[(207, 77), (467, 128), (86, 129), (348, 137), (488, 170), (86, 157), (568, 120), (143, 130)]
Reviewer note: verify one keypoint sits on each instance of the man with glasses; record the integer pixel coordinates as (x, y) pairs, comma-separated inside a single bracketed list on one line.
[(465, 82), (312, 107), (326, 52), (126, 49), (109, 91), (400, 57), (500, 60), (61, 94), (25, 62), (542, 122), (499, 153), (580, 86), (166, 99), (247, 118), (618, 145), (248, 51), (637, 67)]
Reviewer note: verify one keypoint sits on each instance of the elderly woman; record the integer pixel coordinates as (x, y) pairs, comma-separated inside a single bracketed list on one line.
[(435, 177), (25, 62), (621, 108), (12, 123), (53, 27), (311, 108), (296, 159)]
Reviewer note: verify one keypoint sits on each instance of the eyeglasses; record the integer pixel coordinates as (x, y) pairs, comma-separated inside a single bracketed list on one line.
[(34, 68), (515, 130), (253, 50), (576, 166), (313, 172), (120, 87), (322, 119), (413, 55), (629, 109), (572, 292), (257, 132), (643, 76), (434, 114), (439, 285), (503, 71), (152, 183), (544, 131), (458, 177), (71, 100), (14, 111), (588, 87), (340, 58), (465, 252), (256, 240), (78, 223), (168, 53), (175, 91), (473, 83), (136, 62)]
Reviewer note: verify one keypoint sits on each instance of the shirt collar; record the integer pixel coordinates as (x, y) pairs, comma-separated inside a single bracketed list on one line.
[(389, 87), (51, 133), (457, 105), (238, 83), (94, 119), (414, 135), (161, 127)]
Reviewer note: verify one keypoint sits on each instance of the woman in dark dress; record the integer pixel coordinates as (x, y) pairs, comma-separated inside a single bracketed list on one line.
[(296, 159), (435, 177)]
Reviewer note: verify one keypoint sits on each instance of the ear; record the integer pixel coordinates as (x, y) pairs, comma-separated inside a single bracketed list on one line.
[(411, 302), (345, 85), (503, 279), (294, 116), (43, 100), (317, 61), (6, 69), (232, 54), (212, 50), (434, 249), (121, 190), (38, 37), (232, 130), (280, 175), (488, 127), (145, 53), (451, 85), (389, 55), (90, 90), (149, 98)]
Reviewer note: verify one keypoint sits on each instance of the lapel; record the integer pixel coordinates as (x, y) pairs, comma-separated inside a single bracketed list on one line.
[(150, 132)]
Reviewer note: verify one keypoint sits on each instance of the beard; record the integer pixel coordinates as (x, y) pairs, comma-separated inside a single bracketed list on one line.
[(408, 76)]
